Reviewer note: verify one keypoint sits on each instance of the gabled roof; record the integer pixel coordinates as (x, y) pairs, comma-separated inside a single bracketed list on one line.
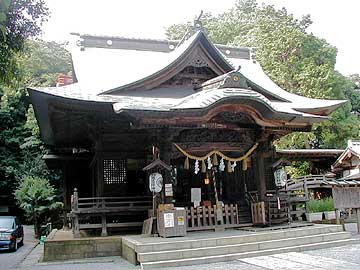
[(197, 45), (348, 154)]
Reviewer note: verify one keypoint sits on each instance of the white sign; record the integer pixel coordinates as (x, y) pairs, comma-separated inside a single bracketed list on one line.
[(280, 177), (168, 190), (155, 182), (168, 220), (196, 196)]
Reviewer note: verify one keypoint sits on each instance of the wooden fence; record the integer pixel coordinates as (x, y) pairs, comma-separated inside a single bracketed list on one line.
[(212, 217)]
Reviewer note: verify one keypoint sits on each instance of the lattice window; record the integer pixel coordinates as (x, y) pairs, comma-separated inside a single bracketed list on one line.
[(114, 171)]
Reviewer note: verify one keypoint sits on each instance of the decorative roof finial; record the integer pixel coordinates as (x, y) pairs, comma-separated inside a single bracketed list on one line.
[(192, 29), (197, 22)]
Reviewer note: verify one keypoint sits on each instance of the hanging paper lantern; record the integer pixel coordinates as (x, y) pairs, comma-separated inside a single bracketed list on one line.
[(197, 169), (229, 167), (209, 163), (186, 164), (222, 165), (203, 166), (206, 180), (215, 160)]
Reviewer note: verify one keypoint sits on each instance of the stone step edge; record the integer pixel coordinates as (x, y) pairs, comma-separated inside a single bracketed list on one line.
[(235, 256), (244, 244), (139, 246)]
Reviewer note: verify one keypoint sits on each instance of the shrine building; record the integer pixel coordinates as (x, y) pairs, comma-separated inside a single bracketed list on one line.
[(200, 114)]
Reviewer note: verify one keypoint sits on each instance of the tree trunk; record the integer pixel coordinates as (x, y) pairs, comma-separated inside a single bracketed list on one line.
[(36, 229)]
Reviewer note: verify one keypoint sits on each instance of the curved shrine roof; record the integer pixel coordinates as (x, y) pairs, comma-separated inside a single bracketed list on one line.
[(128, 74)]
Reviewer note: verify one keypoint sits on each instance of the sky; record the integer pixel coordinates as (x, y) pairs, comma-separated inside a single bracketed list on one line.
[(335, 21)]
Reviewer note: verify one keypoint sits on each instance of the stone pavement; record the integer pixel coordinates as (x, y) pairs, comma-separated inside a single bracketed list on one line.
[(11, 260), (345, 257)]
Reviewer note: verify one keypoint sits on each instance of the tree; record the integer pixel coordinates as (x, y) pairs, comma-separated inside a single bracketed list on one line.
[(21, 149), (36, 196), (42, 62), (353, 93), (19, 20), (297, 61)]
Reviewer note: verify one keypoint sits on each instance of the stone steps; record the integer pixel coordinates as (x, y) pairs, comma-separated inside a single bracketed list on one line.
[(232, 257), (238, 248), (187, 243), (189, 251)]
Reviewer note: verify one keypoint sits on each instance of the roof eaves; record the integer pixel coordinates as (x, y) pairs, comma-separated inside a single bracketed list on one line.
[(341, 157), (326, 109)]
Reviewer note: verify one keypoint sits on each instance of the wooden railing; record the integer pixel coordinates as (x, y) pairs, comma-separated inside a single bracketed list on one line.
[(84, 209), (308, 181), (298, 191)]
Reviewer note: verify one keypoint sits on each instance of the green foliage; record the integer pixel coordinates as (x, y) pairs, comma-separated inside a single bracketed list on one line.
[(19, 20), (328, 204), (313, 206), (298, 169), (4, 8), (297, 61), (36, 197), (42, 62), (323, 205), (21, 149)]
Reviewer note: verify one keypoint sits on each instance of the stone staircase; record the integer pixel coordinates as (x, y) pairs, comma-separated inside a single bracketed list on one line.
[(217, 247)]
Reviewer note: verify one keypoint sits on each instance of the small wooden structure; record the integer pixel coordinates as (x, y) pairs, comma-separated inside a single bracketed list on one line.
[(302, 189), (258, 213), (347, 197)]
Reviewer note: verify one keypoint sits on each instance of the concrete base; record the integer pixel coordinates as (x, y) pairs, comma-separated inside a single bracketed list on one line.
[(60, 245)]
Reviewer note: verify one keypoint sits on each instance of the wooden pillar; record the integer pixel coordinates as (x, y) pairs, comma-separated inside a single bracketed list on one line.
[(259, 173), (74, 210), (99, 176), (65, 197), (165, 155), (358, 219), (103, 225), (259, 156), (337, 214)]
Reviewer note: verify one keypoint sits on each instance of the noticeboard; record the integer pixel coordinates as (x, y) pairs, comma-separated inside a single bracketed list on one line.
[(168, 190), (168, 220), (346, 197), (196, 196)]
